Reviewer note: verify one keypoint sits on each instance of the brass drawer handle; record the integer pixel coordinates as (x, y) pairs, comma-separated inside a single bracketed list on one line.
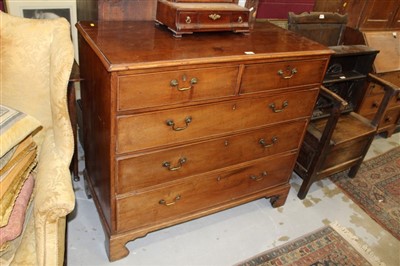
[(174, 168), (163, 202), (265, 145), (214, 16), (259, 178), (240, 19), (175, 83), (171, 123), (188, 20), (284, 105), (292, 72)]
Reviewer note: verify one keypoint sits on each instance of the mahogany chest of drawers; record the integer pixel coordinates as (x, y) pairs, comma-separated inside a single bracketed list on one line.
[(175, 129)]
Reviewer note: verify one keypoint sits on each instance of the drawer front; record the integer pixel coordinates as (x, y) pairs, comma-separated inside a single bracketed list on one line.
[(201, 192), (187, 20), (272, 76), (210, 20), (391, 117), (174, 87), (371, 104), (158, 167), (214, 19), (373, 99), (171, 127)]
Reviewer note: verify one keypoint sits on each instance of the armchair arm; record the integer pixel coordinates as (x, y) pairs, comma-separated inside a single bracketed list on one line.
[(390, 90), (382, 82), (54, 199), (339, 101)]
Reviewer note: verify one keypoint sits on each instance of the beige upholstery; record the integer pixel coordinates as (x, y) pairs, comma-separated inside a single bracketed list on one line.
[(36, 61)]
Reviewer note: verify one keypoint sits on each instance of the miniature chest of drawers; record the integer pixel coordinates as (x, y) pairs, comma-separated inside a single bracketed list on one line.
[(175, 129)]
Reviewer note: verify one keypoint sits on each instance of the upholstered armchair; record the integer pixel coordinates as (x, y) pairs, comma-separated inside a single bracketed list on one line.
[(35, 63)]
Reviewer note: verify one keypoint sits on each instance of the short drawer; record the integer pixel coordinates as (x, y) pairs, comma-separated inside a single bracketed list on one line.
[(155, 168), (201, 192), (390, 117), (208, 20), (370, 104), (373, 98), (176, 126), (272, 76), (174, 87)]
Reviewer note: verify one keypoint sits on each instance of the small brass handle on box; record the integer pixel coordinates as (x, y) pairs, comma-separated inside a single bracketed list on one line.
[(259, 178), (240, 19), (265, 145), (292, 72), (175, 168), (171, 124), (214, 16), (163, 202), (175, 83), (188, 20), (284, 105)]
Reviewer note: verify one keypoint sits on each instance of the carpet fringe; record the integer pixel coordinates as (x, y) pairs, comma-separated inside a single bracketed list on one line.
[(356, 243)]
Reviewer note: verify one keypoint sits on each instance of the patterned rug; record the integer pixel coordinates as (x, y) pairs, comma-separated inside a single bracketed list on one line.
[(330, 245), (376, 189)]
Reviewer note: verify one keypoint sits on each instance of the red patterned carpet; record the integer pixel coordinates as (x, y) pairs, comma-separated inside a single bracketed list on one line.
[(376, 189), (330, 245)]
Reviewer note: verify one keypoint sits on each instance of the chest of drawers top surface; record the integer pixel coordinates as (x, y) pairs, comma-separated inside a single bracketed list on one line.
[(123, 45)]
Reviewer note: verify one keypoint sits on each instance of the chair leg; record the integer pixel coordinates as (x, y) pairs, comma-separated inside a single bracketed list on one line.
[(354, 169), (305, 186)]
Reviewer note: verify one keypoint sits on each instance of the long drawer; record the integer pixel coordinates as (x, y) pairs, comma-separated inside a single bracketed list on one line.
[(155, 168), (200, 192), (176, 126), (273, 76), (174, 87)]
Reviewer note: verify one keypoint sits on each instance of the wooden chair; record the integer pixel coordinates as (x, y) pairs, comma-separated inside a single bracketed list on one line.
[(323, 27), (337, 141), (337, 138)]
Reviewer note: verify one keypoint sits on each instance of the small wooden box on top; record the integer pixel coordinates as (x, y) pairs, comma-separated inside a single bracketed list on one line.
[(188, 16)]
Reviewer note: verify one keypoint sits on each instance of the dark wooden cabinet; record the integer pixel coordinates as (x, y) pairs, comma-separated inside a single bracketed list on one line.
[(175, 129), (327, 6), (365, 14), (396, 19), (278, 9), (379, 14)]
